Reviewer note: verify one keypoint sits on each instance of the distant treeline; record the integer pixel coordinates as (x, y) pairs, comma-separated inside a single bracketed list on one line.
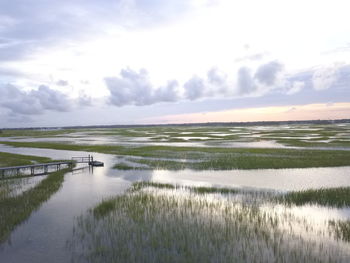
[(207, 124)]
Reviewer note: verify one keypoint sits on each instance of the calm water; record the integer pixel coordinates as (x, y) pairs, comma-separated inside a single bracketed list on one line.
[(43, 237)]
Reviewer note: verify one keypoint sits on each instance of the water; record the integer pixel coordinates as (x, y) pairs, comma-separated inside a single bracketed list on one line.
[(43, 237), (266, 179)]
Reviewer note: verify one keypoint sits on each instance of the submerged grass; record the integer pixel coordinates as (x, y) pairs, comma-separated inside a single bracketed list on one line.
[(123, 166), (16, 209), (336, 197), (199, 189), (146, 225)]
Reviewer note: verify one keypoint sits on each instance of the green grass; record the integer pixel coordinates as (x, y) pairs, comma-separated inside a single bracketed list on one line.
[(198, 190), (341, 229), (314, 143), (250, 159), (336, 197), (16, 209), (104, 208), (146, 225), (123, 166), (10, 159), (35, 133), (139, 185), (213, 158)]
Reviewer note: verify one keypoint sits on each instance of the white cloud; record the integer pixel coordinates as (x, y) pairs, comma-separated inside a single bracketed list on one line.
[(296, 86), (323, 78)]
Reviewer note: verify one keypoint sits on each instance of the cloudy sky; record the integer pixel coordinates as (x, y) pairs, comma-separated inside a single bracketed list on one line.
[(83, 62)]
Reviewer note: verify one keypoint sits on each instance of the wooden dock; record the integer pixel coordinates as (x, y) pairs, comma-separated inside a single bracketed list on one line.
[(44, 168)]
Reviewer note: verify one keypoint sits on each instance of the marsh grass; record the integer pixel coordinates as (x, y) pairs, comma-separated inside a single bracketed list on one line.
[(335, 197), (198, 190), (34, 133), (289, 135), (153, 223), (16, 185), (16, 209), (10, 159), (123, 166), (341, 229), (212, 157), (227, 159)]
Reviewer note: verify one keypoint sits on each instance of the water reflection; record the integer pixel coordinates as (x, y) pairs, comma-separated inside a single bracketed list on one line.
[(276, 179)]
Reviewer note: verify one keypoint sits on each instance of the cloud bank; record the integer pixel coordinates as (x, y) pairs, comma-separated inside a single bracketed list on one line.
[(135, 88), (33, 102)]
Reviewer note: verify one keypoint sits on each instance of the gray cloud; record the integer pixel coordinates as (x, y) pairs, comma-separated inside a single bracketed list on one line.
[(324, 78), (216, 77), (134, 88), (84, 100), (245, 81), (168, 93), (33, 102), (130, 88), (194, 88), (214, 84), (62, 83), (267, 73)]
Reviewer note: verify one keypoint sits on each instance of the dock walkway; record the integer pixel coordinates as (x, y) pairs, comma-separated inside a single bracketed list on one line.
[(43, 168)]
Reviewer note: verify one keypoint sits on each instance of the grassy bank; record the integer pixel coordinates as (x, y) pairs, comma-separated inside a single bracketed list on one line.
[(16, 209), (211, 157), (336, 197), (149, 224), (10, 159)]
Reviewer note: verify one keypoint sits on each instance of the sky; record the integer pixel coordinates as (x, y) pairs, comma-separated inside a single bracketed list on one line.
[(85, 62)]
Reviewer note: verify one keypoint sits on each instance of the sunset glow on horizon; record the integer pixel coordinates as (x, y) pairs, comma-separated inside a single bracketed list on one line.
[(280, 113)]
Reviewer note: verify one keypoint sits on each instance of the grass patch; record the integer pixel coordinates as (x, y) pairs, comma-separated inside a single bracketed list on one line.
[(153, 226), (10, 159), (139, 185), (259, 159), (199, 190), (104, 208), (35, 132), (123, 166), (341, 229), (336, 197), (15, 210), (208, 190)]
